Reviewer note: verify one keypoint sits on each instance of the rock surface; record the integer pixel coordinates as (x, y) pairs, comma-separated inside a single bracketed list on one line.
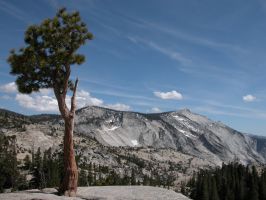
[(101, 193), (172, 144), (183, 131)]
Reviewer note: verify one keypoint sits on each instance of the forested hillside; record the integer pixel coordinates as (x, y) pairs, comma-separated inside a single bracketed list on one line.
[(231, 182)]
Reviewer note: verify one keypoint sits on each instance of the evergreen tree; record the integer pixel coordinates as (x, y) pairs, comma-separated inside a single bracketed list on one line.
[(133, 177), (83, 181), (38, 180), (27, 162), (214, 193), (205, 189), (90, 175), (231, 182), (183, 188), (146, 180), (262, 185), (45, 62), (9, 173)]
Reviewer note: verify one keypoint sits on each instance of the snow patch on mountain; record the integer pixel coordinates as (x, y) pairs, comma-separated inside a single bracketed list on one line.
[(135, 142)]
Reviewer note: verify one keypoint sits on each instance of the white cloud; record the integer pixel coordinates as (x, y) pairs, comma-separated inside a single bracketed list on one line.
[(169, 95), (118, 106), (249, 98), (45, 91), (43, 101), (84, 98), (9, 88), (156, 110), (46, 103), (37, 102)]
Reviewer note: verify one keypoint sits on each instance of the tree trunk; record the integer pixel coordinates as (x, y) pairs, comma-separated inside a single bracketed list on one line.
[(69, 184)]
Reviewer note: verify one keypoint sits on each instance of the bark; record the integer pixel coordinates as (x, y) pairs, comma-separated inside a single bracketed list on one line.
[(68, 186)]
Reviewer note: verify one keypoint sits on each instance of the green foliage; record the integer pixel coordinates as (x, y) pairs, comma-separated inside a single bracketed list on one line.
[(37, 171), (50, 49), (83, 178), (9, 172), (46, 169), (231, 182), (134, 159)]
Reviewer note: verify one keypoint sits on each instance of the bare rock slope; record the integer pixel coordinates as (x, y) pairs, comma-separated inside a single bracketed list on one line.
[(182, 131), (102, 193)]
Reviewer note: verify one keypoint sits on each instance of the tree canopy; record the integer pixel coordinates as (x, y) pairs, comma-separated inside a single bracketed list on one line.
[(51, 48)]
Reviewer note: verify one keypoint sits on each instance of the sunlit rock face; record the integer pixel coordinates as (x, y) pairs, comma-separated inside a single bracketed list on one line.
[(183, 131)]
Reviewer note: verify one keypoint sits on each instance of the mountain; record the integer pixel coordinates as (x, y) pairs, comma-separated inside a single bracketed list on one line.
[(170, 145), (182, 131)]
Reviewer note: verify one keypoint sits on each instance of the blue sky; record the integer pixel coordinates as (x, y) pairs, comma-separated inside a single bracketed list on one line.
[(155, 55)]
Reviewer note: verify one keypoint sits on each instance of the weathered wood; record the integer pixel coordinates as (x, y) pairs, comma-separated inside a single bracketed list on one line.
[(69, 185)]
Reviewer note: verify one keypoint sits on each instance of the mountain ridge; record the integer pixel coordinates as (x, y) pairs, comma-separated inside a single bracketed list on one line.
[(182, 131)]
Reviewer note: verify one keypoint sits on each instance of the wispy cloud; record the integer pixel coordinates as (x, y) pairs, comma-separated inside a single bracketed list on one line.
[(175, 55), (53, 4), (14, 11), (123, 94), (195, 66), (194, 39), (214, 110), (230, 110), (105, 84)]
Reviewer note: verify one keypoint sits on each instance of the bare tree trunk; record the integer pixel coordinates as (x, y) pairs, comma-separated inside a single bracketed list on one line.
[(70, 181)]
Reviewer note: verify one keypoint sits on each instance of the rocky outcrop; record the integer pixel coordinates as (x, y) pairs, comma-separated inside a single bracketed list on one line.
[(102, 193), (182, 131)]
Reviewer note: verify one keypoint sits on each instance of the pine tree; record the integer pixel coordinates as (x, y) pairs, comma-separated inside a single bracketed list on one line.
[(232, 182), (90, 175), (9, 173), (83, 181), (262, 185), (183, 188), (205, 189), (253, 194), (133, 177), (146, 180), (27, 162), (45, 62), (37, 170), (214, 193)]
